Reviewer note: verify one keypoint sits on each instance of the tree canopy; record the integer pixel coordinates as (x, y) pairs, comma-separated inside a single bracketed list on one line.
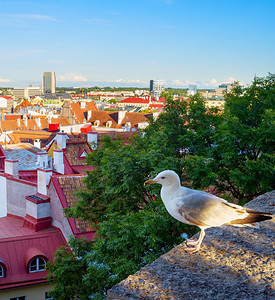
[(230, 152)]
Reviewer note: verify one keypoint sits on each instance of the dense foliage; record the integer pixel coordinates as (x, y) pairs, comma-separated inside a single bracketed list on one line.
[(231, 152), (241, 158)]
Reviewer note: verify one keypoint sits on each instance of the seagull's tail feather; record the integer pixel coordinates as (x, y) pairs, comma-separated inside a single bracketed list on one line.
[(253, 216)]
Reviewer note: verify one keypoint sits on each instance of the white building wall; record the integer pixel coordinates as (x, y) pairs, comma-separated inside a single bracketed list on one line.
[(58, 217), (16, 193), (3, 197)]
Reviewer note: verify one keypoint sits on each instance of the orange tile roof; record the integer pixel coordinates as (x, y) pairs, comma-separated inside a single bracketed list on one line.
[(104, 117), (18, 136), (9, 125), (44, 123), (78, 113), (12, 117), (24, 103), (90, 106), (62, 121), (135, 118)]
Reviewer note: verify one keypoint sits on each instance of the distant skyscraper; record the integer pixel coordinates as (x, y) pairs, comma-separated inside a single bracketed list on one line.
[(48, 82), (156, 87), (192, 90)]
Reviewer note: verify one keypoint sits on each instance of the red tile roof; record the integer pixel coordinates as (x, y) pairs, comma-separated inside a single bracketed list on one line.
[(135, 100)]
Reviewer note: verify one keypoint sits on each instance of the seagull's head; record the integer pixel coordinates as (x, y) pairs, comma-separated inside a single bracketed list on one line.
[(165, 178)]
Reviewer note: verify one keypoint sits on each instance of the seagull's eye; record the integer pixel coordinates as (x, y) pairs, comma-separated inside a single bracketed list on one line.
[(163, 177)]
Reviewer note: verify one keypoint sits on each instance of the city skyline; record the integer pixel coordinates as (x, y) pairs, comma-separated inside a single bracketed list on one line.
[(122, 43)]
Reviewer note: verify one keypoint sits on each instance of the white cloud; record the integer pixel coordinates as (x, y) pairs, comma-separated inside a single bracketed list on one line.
[(72, 77), (5, 80), (21, 53), (30, 17), (231, 79), (181, 83), (96, 20), (130, 81), (212, 83)]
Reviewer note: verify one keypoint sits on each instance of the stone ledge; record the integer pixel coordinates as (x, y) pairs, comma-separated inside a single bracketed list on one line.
[(233, 263)]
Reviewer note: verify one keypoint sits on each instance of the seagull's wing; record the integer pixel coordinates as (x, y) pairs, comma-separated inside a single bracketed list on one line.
[(206, 210)]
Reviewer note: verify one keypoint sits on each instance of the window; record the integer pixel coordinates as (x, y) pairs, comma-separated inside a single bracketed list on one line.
[(2, 273), (3, 269), (19, 298), (47, 296), (37, 264)]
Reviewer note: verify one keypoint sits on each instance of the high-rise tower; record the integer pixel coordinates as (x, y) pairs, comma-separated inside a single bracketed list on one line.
[(156, 87), (48, 82)]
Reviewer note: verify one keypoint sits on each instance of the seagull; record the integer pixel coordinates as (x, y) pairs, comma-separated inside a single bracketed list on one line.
[(202, 209)]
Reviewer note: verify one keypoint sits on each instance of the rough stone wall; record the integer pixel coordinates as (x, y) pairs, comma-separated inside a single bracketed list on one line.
[(233, 263)]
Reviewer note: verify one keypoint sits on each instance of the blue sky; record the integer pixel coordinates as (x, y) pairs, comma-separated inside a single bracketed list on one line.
[(129, 42)]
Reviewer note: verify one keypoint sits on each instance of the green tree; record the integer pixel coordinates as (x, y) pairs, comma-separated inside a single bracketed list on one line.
[(232, 152), (241, 160)]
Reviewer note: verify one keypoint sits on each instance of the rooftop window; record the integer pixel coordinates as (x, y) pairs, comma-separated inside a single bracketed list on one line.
[(2, 273), (2, 269), (38, 264)]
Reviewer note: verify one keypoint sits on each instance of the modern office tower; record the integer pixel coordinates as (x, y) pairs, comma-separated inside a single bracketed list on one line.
[(192, 90), (48, 82), (156, 87)]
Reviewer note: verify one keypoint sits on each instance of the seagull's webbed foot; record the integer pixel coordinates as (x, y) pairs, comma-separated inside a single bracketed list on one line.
[(192, 249), (190, 242), (193, 245)]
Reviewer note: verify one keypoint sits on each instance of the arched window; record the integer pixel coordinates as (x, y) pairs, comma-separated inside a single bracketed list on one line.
[(37, 264), (2, 273), (3, 269)]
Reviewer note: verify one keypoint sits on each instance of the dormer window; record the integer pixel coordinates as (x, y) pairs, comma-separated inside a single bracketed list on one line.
[(109, 124), (38, 264), (2, 273), (3, 269), (82, 154)]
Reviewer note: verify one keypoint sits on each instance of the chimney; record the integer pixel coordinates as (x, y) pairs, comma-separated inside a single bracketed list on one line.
[(92, 139), (58, 162), (38, 122), (37, 143), (61, 140), (38, 212), (121, 116), (18, 122), (11, 167), (89, 115), (42, 159), (43, 179)]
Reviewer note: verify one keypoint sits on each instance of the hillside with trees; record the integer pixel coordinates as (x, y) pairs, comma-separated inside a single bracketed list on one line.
[(229, 153)]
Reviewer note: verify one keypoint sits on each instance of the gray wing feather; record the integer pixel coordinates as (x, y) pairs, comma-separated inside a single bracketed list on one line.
[(203, 209)]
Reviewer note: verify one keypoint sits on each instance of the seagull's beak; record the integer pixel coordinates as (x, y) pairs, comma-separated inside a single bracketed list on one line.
[(150, 181)]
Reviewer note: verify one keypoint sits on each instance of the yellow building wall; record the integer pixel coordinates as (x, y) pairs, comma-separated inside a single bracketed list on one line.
[(36, 292)]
